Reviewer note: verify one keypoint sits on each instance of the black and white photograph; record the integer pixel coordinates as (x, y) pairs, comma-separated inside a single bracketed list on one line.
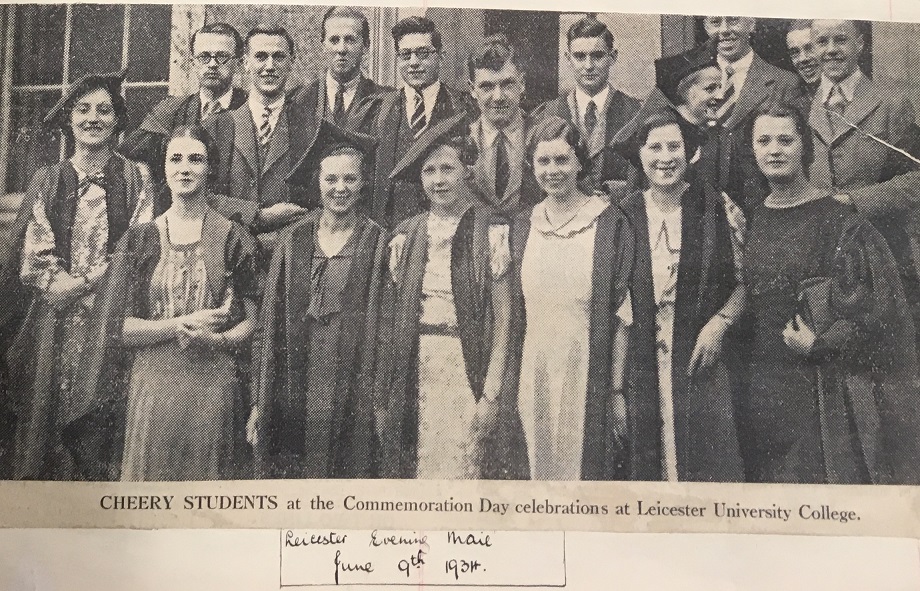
[(244, 242)]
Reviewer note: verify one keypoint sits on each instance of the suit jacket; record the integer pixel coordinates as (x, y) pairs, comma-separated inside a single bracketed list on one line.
[(314, 96), (606, 165), (523, 191), (845, 157), (738, 173), (144, 143), (384, 116), (249, 181)]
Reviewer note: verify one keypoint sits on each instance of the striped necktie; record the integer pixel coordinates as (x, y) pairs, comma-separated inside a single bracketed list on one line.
[(86, 182), (836, 103), (728, 96), (210, 108), (265, 127), (417, 122)]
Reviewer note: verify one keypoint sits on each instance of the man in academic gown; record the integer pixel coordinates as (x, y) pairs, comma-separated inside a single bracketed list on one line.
[(300, 428), (259, 143), (594, 106), (338, 93), (804, 57), (400, 116), (216, 52)]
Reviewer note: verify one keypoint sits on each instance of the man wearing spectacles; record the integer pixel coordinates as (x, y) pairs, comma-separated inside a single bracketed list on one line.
[(216, 51), (400, 116), (594, 106), (336, 95)]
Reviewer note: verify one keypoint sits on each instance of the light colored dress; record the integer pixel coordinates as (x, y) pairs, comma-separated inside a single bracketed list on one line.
[(179, 422), (556, 278), (447, 441)]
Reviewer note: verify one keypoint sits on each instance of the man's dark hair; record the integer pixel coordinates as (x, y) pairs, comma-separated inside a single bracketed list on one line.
[(352, 13), (799, 24), (492, 54), (590, 27), (274, 32), (221, 29), (419, 25)]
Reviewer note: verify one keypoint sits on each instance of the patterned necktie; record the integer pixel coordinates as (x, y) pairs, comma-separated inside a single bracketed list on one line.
[(728, 96), (837, 103), (590, 119), (417, 122), (210, 108), (265, 127), (502, 166), (338, 110)]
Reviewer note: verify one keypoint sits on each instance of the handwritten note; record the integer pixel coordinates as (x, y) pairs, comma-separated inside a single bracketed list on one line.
[(446, 558)]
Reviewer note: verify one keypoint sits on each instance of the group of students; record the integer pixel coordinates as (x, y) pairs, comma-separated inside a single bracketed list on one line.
[(343, 280)]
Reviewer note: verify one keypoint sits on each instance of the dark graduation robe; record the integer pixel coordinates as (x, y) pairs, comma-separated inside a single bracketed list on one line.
[(397, 374), (229, 255), (704, 423), (282, 391), (614, 252), (848, 412), (31, 355), (314, 96)]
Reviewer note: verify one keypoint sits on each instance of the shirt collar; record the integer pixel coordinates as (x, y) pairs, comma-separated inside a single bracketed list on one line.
[(258, 106), (333, 85), (490, 133), (429, 94), (583, 219), (848, 86), (657, 218), (741, 65), (223, 100), (582, 99)]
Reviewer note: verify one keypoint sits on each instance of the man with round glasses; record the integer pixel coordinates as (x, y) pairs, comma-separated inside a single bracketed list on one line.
[(401, 115), (216, 51)]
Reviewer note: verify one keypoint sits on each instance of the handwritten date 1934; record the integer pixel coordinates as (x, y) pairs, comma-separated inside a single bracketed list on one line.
[(456, 567)]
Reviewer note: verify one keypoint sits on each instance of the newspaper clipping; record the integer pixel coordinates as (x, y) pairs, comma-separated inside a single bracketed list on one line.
[(496, 274)]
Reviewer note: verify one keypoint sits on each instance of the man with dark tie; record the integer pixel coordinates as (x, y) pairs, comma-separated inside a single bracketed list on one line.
[(803, 56), (747, 82), (346, 40), (259, 143), (500, 177), (597, 108), (399, 116), (216, 51)]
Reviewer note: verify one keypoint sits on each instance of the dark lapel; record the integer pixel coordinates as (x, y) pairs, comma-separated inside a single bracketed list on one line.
[(237, 99), (244, 138), (366, 88), (190, 111), (758, 87), (302, 124), (444, 105), (214, 234), (316, 97)]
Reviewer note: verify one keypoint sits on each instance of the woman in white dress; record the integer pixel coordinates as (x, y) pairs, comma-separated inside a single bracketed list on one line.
[(450, 318), (573, 254)]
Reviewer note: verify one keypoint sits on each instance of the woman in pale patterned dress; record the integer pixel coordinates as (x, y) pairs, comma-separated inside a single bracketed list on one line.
[(451, 307), (686, 296), (188, 281), (72, 217), (573, 254)]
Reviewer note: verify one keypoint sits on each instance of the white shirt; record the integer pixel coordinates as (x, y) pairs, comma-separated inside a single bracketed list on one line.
[(740, 67), (514, 143), (847, 86), (429, 96), (348, 94), (223, 100), (257, 107), (582, 99)]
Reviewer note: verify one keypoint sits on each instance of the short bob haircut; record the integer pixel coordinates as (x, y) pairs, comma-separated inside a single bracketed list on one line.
[(195, 132), (782, 110), (554, 128), (663, 119), (65, 119)]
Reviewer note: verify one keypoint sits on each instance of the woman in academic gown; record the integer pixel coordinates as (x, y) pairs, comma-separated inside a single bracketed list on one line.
[(686, 296), (833, 394), (573, 257), (449, 315), (181, 301), (312, 415), (73, 215)]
